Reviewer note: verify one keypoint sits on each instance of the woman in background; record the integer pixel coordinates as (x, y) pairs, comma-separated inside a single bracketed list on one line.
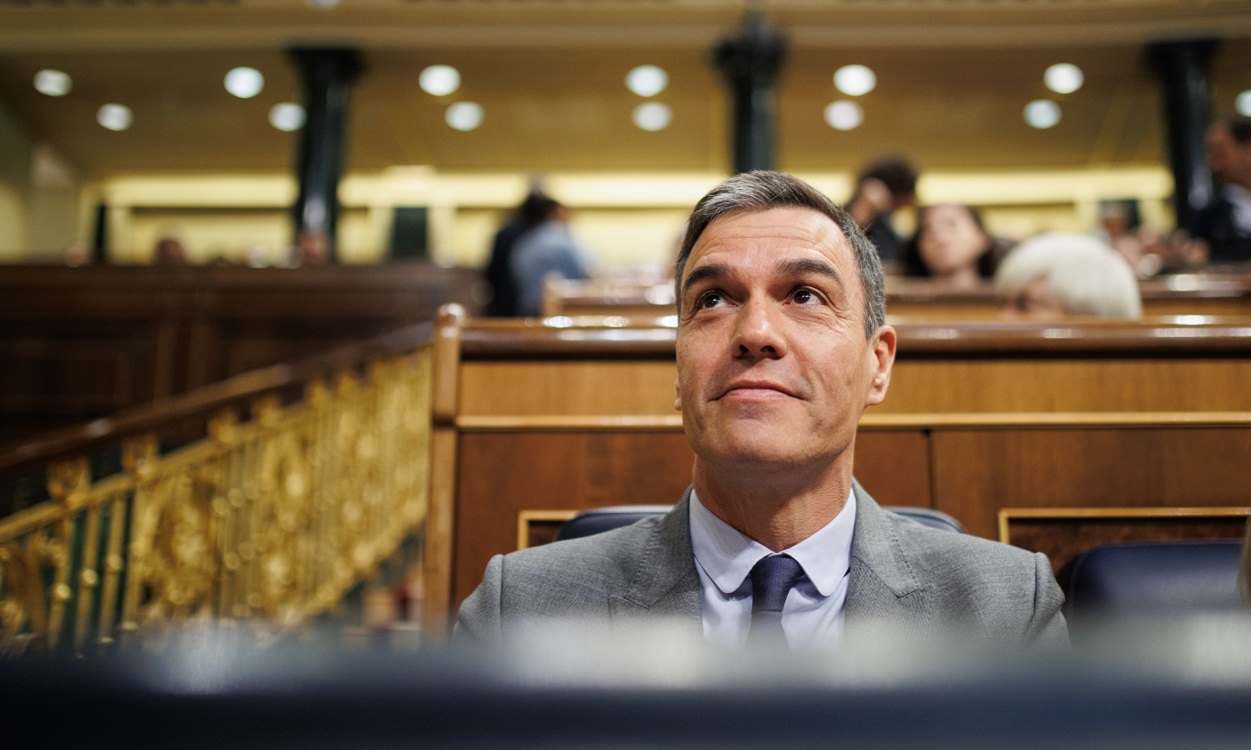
[(950, 245)]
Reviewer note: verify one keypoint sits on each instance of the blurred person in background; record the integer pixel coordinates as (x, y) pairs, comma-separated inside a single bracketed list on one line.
[(781, 345), (499, 271), (1058, 274), (883, 186), (546, 249), (1225, 223), (312, 248), (951, 245), (169, 252)]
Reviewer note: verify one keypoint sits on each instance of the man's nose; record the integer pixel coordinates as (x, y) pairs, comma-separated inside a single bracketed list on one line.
[(758, 331)]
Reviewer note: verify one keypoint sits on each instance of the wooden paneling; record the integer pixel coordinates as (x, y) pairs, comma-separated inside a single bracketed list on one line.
[(1064, 533), (78, 343), (1125, 383), (501, 474), (978, 471), (545, 387)]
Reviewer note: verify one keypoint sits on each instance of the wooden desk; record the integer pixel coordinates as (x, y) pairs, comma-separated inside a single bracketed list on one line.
[(1226, 294), (577, 415)]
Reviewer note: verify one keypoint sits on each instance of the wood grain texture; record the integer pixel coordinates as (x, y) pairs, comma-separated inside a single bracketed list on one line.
[(82, 343), (976, 472), (440, 533), (1063, 539), (560, 387)]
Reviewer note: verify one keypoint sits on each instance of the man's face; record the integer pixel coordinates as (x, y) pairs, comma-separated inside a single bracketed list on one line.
[(773, 365)]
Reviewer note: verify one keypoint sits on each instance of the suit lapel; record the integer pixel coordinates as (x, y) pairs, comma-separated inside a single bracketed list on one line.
[(882, 585), (664, 582)]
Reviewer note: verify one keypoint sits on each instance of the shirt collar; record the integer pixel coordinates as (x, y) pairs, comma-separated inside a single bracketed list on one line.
[(727, 555)]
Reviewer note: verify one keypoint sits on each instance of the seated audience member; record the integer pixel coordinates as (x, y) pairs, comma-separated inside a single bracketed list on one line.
[(169, 252), (950, 245), (547, 249), (1225, 224), (781, 345), (499, 271), (1057, 274), (885, 185)]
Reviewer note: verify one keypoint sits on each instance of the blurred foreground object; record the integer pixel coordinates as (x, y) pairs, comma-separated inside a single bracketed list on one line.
[(1185, 686)]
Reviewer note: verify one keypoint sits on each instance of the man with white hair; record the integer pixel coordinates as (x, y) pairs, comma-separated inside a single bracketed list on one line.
[(1058, 274)]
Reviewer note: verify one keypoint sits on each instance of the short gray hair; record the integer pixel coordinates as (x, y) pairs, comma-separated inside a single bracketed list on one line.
[(761, 190)]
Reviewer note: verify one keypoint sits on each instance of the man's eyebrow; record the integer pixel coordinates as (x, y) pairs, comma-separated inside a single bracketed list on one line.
[(709, 271), (808, 266)]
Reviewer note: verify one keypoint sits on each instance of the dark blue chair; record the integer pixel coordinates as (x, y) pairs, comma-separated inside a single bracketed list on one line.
[(1169, 578), (598, 520)]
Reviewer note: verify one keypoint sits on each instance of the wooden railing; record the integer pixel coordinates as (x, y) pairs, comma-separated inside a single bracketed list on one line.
[(298, 480)]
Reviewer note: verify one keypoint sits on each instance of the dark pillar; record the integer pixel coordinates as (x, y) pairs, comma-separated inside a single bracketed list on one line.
[(750, 62), (1183, 70), (327, 74), (100, 235)]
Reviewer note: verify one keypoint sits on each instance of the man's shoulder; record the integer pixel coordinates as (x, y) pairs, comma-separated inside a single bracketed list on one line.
[(594, 565), (942, 557)]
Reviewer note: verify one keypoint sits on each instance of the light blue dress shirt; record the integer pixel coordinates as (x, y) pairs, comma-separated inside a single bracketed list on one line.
[(813, 613)]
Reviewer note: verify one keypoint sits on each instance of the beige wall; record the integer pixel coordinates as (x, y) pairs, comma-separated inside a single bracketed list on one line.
[(14, 184), (626, 221), (40, 198)]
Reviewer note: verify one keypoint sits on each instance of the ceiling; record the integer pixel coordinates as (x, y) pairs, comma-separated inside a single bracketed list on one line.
[(953, 77)]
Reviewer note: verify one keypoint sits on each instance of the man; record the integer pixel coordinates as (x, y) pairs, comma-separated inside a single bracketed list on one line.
[(1225, 223), (782, 343), (885, 185)]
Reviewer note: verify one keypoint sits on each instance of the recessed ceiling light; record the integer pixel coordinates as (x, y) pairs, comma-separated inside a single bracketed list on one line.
[(653, 116), (53, 82), (324, 4), (855, 80), (115, 116), (1063, 78), (464, 116), (244, 83), (647, 80), (286, 116), (1042, 114), (1243, 103), (843, 115), (439, 80)]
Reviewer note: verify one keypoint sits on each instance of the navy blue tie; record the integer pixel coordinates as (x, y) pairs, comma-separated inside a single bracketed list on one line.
[(772, 578)]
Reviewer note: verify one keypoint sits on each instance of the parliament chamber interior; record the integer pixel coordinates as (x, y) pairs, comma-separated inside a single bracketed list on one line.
[(311, 310)]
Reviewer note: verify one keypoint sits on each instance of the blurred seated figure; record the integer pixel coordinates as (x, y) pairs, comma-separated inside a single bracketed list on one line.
[(886, 184), (169, 252), (1225, 223), (950, 245), (1058, 274), (549, 248), (312, 248), (499, 273)]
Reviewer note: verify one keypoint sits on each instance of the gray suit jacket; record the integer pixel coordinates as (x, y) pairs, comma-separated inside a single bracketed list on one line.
[(901, 571)]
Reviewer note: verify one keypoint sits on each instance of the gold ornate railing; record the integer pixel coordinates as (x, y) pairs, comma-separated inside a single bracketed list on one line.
[(266, 520)]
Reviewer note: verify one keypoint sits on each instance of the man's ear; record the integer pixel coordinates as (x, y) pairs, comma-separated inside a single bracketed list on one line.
[(677, 394), (882, 353)]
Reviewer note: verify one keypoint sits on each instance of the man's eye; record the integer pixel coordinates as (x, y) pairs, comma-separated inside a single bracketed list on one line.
[(708, 299), (804, 295)]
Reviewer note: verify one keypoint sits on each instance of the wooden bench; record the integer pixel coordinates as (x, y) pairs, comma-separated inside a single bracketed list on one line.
[(571, 414), (1183, 294)]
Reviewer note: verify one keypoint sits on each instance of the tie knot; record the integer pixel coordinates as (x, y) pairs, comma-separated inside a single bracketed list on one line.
[(771, 580)]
